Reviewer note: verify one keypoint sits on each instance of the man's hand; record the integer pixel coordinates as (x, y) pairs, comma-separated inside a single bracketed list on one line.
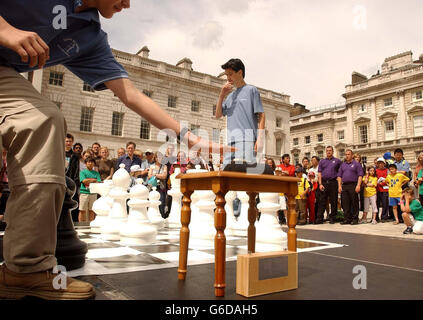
[(357, 189), (340, 189), (28, 45), (258, 147), (321, 187)]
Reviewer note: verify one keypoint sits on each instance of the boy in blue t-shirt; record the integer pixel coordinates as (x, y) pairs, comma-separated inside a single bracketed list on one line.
[(244, 111), (33, 35), (86, 198)]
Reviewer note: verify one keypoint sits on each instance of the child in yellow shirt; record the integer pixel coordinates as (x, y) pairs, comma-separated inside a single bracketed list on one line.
[(370, 181), (395, 181), (301, 198)]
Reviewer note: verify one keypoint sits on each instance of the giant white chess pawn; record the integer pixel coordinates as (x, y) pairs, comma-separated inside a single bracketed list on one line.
[(268, 229), (241, 226), (102, 205), (153, 211), (138, 230), (118, 215), (174, 218), (202, 211), (229, 208)]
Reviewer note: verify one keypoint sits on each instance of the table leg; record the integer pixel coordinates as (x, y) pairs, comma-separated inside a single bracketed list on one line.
[(252, 217), (184, 234), (292, 222), (220, 244)]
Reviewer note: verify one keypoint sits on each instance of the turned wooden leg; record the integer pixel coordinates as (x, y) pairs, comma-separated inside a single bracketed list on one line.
[(252, 217), (220, 244), (184, 234), (292, 222)]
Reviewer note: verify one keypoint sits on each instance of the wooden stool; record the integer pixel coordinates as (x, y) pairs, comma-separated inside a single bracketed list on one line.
[(221, 182)]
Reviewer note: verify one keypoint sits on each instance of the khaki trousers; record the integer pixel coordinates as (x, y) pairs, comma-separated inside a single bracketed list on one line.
[(32, 130)]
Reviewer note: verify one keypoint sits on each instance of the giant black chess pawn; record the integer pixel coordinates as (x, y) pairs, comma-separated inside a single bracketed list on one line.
[(70, 250)]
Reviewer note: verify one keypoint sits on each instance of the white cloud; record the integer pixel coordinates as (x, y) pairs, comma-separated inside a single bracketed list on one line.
[(306, 49)]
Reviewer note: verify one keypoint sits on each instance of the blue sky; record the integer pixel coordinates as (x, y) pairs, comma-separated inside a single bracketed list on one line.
[(306, 49)]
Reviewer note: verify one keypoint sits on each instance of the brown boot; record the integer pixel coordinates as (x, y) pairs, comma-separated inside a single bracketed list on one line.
[(41, 284)]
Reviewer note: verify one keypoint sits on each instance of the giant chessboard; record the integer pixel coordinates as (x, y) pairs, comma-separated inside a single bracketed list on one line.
[(111, 257)]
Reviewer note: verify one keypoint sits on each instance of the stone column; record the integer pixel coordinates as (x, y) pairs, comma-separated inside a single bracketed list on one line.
[(373, 119), (402, 115), (349, 133)]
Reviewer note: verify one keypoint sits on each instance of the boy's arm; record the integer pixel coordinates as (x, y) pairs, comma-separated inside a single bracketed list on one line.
[(153, 113), (261, 130), (28, 45), (227, 88)]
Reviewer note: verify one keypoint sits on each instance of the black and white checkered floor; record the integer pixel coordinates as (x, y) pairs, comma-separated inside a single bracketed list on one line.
[(111, 257)]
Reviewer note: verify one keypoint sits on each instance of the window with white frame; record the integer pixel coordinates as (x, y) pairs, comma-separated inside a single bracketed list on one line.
[(341, 135), (278, 122), (117, 124), (389, 130), (145, 130), (195, 129), (195, 106), (362, 108), (307, 140), (418, 126), (320, 154), (56, 78), (341, 154), (278, 146), (216, 135), (86, 123), (58, 104), (320, 137), (148, 93), (296, 158), (308, 155), (417, 95), (171, 101), (87, 87), (387, 102), (295, 141), (362, 130)]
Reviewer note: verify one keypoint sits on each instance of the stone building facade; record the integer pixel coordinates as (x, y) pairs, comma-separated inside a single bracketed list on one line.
[(311, 132), (187, 95), (381, 113)]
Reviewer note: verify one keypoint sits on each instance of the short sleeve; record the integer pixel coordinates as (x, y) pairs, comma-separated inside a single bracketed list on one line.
[(415, 206), (340, 171), (97, 66), (82, 176), (225, 106), (257, 105), (98, 176)]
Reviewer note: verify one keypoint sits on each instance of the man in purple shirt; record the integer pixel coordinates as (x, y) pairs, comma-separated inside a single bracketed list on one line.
[(327, 175), (350, 175)]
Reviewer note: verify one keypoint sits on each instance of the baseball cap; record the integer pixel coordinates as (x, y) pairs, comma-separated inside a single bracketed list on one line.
[(380, 159), (387, 156), (148, 151)]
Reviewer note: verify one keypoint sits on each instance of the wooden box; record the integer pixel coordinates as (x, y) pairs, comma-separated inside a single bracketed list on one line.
[(267, 272)]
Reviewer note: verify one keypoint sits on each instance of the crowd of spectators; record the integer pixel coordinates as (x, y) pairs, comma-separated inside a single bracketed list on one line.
[(331, 189)]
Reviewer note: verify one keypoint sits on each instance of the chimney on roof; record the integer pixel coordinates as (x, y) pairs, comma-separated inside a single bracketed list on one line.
[(185, 63), (357, 77), (144, 52)]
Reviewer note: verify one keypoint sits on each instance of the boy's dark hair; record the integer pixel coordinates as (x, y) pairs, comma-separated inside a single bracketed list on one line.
[(69, 136), (392, 165), (286, 156), (305, 158), (133, 143), (78, 144), (235, 65), (95, 143), (88, 159), (399, 150), (316, 157)]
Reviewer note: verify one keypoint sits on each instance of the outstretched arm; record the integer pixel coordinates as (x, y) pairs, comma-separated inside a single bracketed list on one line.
[(153, 113)]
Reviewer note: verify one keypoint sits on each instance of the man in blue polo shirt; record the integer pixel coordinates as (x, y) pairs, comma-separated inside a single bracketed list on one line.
[(129, 159), (350, 175), (37, 34), (328, 187), (244, 112)]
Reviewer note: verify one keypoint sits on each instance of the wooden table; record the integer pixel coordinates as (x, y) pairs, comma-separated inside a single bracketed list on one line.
[(221, 182)]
